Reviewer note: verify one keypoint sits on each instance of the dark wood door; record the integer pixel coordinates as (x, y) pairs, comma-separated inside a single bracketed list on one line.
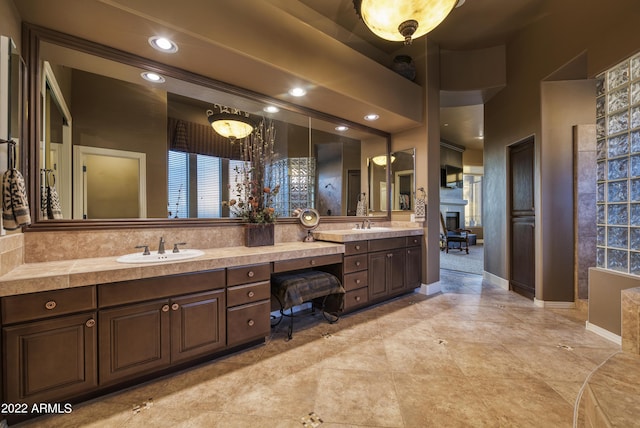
[(522, 213), (413, 271), (134, 340), (396, 265), (353, 190), (197, 324), (377, 275), (52, 360)]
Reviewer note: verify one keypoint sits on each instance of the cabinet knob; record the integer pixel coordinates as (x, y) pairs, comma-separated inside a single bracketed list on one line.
[(357, 281), (357, 247), (165, 308), (312, 262), (358, 263), (250, 323), (357, 298), (408, 251), (250, 274), (51, 304), (90, 323), (251, 294), (175, 306)]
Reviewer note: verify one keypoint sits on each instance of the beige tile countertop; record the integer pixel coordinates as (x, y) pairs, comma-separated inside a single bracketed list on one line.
[(349, 235), (34, 277)]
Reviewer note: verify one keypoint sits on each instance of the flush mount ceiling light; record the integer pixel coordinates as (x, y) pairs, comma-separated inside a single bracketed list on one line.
[(230, 122), (297, 92), (371, 117), (152, 77), (341, 128), (402, 20), (163, 44), (271, 109)]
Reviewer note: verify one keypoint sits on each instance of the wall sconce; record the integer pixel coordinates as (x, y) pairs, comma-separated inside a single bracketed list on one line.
[(382, 160), (231, 123), (399, 20)]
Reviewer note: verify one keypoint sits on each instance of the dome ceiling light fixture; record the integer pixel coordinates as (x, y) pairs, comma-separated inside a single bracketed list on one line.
[(382, 160), (402, 20), (230, 122)]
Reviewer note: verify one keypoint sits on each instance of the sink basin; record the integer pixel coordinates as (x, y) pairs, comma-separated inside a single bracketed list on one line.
[(154, 257), (374, 229)]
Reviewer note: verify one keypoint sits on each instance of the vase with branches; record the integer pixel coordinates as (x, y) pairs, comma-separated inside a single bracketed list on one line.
[(253, 187)]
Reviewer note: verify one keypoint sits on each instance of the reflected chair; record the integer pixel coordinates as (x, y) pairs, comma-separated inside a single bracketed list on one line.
[(454, 239)]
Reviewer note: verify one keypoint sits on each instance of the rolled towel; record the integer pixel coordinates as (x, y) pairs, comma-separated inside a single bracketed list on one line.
[(15, 205)]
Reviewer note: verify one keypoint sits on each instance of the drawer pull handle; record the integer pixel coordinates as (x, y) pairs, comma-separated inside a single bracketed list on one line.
[(165, 308), (357, 247), (357, 281), (250, 274), (389, 255), (250, 323), (408, 251), (357, 298), (175, 306), (90, 323), (358, 263), (251, 294), (51, 304)]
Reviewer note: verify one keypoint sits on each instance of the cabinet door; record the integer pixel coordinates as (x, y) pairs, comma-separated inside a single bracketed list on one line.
[(377, 275), (134, 340), (197, 324), (413, 273), (51, 360), (396, 263)]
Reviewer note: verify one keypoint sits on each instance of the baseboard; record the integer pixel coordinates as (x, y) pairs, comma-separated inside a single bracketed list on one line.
[(604, 333), (429, 289), (495, 280), (553, 305)]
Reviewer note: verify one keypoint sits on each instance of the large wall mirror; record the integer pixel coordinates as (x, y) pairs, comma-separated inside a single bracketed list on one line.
[(116, 148), (397, 169)]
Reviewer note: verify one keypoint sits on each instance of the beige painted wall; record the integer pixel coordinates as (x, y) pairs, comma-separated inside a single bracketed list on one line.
[(515, 113)]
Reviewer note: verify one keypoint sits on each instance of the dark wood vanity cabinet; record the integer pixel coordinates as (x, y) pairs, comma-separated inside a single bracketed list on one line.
[(413, 272), (386, 273), (248, 303), (139, 337), (49, 345)]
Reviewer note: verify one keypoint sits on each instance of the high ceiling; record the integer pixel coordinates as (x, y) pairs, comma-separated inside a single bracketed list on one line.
[(475, 24)]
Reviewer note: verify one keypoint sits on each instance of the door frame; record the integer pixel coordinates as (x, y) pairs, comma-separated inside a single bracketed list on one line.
[(80, 197)]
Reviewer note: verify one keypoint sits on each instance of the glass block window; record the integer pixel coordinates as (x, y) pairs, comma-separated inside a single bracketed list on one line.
[(297, 178), (618, 167)]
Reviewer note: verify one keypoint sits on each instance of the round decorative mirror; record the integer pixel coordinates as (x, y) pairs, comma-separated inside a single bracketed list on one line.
[(309, 218)]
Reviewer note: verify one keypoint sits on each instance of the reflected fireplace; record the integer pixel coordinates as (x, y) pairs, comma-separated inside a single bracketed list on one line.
[(452, 220)]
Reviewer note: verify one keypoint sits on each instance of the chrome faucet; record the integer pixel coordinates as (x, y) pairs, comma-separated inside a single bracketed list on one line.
[(366, 222), (161, 246)]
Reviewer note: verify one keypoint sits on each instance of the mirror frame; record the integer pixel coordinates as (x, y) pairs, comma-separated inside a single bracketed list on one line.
[(33, 35)]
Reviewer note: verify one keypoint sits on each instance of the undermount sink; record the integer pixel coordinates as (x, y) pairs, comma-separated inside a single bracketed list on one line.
[(373, 229), (154, 257)]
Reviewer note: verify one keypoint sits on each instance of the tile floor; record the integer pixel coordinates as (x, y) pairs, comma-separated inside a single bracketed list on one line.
[(471, 356)]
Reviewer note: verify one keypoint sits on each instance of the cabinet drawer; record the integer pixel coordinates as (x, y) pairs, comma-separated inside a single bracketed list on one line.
[(357, 247), (249, 293), (248, 322), (355, 298), (414, 241), (306, 262), (27, 307), (247, 274), (386, 244), (355, 263), (140, 290), (355, 280)]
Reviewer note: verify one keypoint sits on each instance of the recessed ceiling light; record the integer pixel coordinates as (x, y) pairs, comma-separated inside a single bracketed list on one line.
[(341, 128), (371, 117), (152, 77), (163, 44), (297, 92), (271, 109)]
